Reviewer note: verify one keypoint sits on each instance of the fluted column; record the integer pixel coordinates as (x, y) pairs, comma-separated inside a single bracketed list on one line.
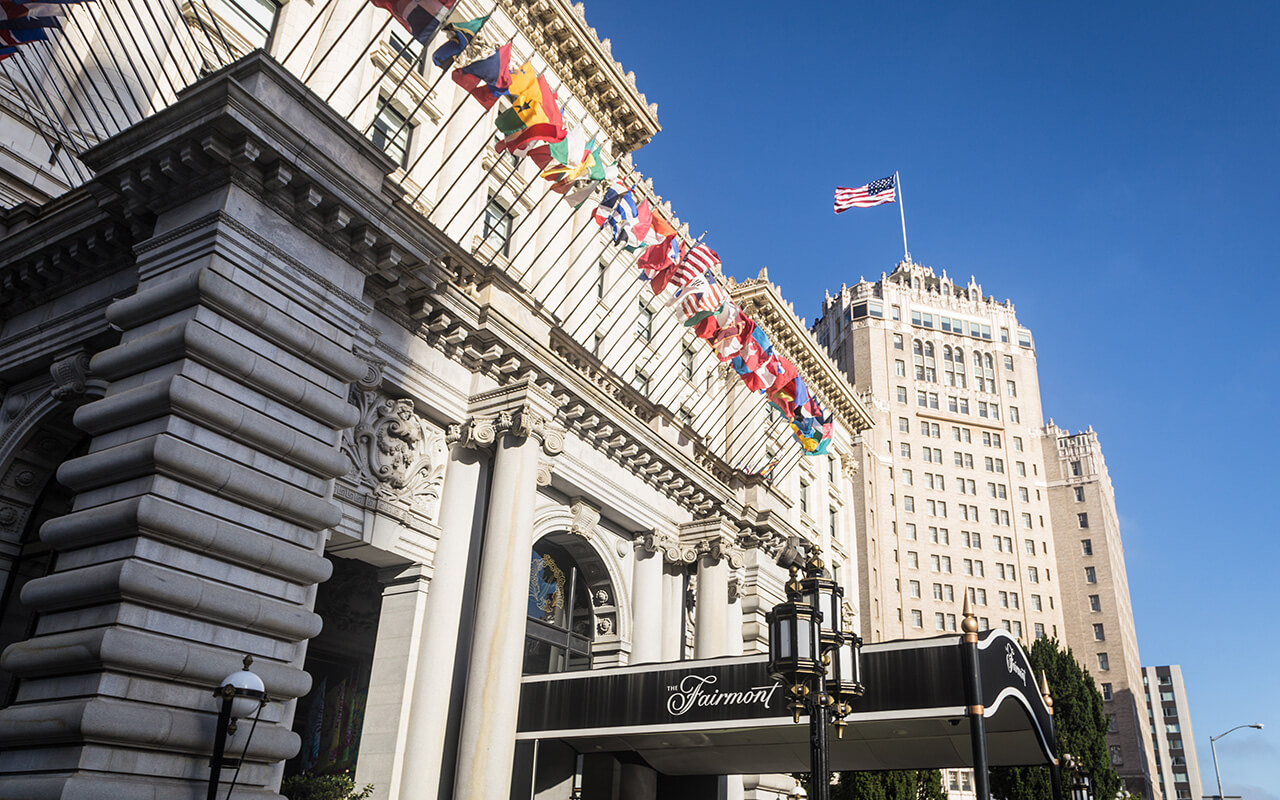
[(486, 745)]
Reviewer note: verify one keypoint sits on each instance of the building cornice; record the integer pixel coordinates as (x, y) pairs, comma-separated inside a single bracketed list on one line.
[(762, 301)]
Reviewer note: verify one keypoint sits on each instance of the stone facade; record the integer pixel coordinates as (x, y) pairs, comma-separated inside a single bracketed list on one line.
[(1095, 595), (271, 389)]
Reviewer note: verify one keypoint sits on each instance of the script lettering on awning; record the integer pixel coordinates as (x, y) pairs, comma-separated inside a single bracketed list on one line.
[(697, 690)]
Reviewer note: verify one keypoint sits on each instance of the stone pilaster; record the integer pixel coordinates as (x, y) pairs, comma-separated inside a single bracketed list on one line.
[(521, 418)]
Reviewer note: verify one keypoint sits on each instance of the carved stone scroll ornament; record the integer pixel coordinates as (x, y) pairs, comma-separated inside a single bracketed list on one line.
[(396, 453), (585, 518), (721, 548)]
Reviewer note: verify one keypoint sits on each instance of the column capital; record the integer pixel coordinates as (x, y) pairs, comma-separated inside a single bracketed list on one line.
[(714, 538), (672, 551), (522, 410)]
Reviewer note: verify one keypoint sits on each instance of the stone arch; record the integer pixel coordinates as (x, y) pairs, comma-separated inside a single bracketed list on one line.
[(602, 570), (36, 436)]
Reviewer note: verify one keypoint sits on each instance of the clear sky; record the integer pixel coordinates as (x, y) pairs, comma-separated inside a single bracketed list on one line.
[(1112, 169)]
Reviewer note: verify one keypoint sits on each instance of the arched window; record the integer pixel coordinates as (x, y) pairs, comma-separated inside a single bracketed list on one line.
[(559, 623)]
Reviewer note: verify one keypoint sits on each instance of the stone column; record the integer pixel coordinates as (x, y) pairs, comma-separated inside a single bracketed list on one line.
[(486, 745), (648, 599), (421, 743), (673, 611), (716, 544)]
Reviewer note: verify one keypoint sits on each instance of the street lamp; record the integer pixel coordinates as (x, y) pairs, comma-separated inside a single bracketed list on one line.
[(1080, 783), (1214, 750), (242, 693), (817, 662)]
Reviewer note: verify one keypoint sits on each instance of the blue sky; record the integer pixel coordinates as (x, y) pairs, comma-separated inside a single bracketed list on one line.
[(1111, 169)]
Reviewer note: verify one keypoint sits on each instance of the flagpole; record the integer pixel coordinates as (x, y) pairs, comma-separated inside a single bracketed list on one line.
[(906, 254)]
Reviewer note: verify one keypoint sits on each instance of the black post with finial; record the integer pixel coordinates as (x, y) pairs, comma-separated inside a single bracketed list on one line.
[(973, 700)]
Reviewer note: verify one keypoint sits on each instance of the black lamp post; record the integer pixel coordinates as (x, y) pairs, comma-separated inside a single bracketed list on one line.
[(816, 661), (242, 693), (1079, 787)]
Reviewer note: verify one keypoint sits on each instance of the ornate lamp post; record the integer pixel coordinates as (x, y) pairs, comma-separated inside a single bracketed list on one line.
[(817, 662), (1080, 783), (242, 693)]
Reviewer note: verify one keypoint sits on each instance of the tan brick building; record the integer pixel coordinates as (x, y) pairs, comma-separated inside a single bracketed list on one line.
[(1095, 593)]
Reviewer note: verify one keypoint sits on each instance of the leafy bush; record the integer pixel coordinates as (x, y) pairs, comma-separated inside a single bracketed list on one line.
[(308, 786)]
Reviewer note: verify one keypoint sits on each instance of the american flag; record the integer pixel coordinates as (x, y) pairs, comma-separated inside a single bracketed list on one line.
[(873, 194), (696, 262)]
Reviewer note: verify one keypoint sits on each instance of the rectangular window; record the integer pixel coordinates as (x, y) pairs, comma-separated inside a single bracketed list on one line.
[(897, 340), (904, 449), (640, 382), (1103, 664), (1026, 523), (644, 322), (1090, 576), (686, 363), (1083, 519), (391, 131), (497, 227), (904, 425), (917, 618), (1079, 494), (1013, 414), (1033, 575), (902, 394), (1029, 546), (940, 621), (1095, 602), (1017, 444), (1011, 388), (900, 368), (1099, 635), (913, 559), (910, 528), (1075, 468), (1036, 603), (1086, 546), (804, 496), (914, 587)]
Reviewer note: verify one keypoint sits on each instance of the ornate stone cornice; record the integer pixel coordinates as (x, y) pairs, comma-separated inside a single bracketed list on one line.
[(585, 518), (764, 304), (586, 64)]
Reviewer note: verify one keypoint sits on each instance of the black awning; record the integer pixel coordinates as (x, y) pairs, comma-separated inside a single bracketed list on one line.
[(726, 716)]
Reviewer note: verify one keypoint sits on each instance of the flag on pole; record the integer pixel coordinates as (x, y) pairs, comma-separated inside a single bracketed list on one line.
[(459, 36), (534, 117), (422, 18), (876, 193), (487, 79)]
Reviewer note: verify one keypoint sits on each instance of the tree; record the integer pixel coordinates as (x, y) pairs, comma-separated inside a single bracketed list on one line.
[(905, 784), (1080, 725)]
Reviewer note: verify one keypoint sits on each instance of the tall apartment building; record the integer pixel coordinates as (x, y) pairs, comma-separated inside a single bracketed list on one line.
[(954, 494), (1169, 717), (1095, 594)]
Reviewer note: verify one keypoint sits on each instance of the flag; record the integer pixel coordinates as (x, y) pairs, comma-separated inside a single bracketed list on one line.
[(17, 36), (782, 389), (487, 79), (534, 117), (639, 232), (701, 298), (422, 18), (617, 208), (570, 160), (460, 35), (753, 359), (876, 193), (659, 257), (729, 340)]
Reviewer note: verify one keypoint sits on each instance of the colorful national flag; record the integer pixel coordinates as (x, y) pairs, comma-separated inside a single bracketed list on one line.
[(487, 79), (876, 193), (695, 262), (459, 36), (534, 117), (701, 298), (659, 257), (422, 18)]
